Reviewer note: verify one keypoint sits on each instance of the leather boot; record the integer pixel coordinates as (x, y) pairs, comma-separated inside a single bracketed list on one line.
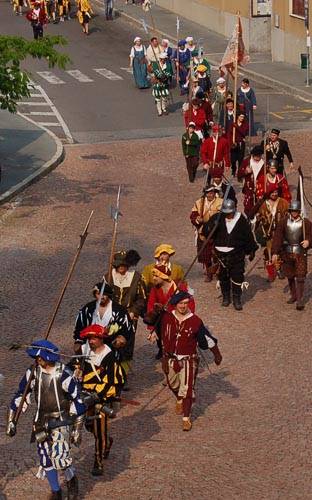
[(97, 467), (300, 291), (72, 488), (56, 495), (293, 291), (237, 297), (226, 293)]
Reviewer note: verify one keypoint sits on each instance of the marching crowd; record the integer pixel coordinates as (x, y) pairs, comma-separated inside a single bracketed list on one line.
[(88, 390)]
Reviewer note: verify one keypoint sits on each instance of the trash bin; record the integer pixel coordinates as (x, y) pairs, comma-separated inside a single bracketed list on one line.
[(304, 60)]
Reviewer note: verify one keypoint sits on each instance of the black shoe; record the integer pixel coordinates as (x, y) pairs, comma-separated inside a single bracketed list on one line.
[(226, 301), (158, 355), (72, 488), (107, 450), (300, 305), (97, 469), (56, 495), (237, 303)]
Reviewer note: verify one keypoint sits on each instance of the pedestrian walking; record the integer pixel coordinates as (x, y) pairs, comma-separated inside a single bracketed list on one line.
[(191, 150), (38, 18), (138, 63), (182, 57), (276, 149), (109, 8), (161, 78), (162, 255), (247, 103), (84, 14)]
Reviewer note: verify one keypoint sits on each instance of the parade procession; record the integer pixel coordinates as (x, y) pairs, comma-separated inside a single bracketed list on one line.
[(156, 287)]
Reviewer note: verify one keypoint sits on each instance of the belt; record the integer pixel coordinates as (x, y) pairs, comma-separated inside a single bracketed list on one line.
[(295, 248)]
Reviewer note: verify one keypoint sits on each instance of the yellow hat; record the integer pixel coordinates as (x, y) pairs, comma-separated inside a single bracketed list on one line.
[(201, 68), (164, 247)]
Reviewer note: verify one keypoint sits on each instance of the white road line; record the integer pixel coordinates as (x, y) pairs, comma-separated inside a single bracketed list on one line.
[(108, 74), (129, 70), (50, 77), (58, 116), (75, 73), (50, 124), (35, 95), (40, 113), (28, 103)]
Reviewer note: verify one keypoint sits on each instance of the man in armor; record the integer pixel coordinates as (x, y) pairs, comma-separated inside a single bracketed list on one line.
[(59, 405), (273, 208), (277, 149), (292, 239), (203, 209), (233, 240)]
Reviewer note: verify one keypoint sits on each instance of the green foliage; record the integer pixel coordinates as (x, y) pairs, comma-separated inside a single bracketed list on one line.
[(14, 82)]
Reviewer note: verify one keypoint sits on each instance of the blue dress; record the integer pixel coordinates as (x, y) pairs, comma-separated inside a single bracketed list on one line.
[(140, 68), (183, 57), (246, 101)]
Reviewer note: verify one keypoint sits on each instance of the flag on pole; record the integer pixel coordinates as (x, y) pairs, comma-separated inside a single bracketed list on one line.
[(236, 42), (300, 192)]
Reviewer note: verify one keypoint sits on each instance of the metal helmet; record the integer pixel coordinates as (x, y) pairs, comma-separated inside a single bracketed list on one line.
[(295, 205), (228, 207), (273, 163)]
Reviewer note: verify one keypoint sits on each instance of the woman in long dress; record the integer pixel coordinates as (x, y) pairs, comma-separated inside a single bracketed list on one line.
[(139, 64)]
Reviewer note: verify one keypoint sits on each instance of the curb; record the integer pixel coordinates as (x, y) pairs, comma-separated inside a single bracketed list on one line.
[(265, 80), (49, 165)]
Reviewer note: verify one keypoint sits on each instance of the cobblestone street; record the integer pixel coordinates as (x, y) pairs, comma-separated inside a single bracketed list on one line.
[(252, 418)]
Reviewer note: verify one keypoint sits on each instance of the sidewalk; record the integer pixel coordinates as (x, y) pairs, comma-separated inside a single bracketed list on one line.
[(27, 152), (286, 77)]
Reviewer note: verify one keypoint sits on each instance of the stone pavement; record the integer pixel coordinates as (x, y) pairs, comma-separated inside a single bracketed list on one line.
[(287, 77), (27, 151), (252, 418)]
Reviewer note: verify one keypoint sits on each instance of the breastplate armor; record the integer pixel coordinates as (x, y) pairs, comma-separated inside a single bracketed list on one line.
[(48, 402), (294, 236)]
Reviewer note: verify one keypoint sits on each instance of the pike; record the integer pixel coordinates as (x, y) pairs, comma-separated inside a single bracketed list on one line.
[(83, 238), (115, 214)]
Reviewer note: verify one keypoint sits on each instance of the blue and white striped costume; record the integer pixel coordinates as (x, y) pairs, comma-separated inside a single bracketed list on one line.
[(57, 394)]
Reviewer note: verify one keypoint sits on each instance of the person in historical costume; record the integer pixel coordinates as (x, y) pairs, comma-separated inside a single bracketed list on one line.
[(182, 57), (128, 291), (182, 333), (206, 106), (99, 375), (84, 14), (164, 287), (237, 140), (204, 208), (162, 73), (138, 63), (58, 406), (18, 7), (109, 9), (153, 51), (247, 103), (163, 254), (169, 53), (190, 44), (218, 181), (250, 170), (292, 239), (219, 96), (272, 179), (215, 151), (191, 150), (272, 208), (277, 149), (232, 240), (196, 114), (203, 77), (38, 19), (104, 311)]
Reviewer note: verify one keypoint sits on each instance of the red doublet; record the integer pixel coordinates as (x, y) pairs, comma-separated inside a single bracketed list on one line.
[(180, 338), (267, 186), (157, 296), (222, 154), (198, 116), (249, 187)]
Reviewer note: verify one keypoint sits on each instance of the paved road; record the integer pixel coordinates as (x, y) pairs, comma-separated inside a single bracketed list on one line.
[(95, 99), (250, 438)]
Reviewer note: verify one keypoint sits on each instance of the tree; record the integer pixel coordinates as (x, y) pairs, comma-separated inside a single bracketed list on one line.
[(15, 81)]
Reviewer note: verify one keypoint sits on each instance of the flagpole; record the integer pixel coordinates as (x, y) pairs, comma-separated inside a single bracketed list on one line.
[(236, 71)]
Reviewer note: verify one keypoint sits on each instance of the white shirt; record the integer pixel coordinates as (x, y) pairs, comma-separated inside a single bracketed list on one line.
[(95, 358), (230, 224), (105, 319), (256, 167)]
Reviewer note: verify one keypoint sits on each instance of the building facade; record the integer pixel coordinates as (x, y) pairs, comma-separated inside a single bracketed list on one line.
[(274, 26)]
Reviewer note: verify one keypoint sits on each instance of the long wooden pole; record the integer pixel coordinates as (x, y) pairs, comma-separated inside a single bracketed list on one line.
[(116, 214), (236, 72), (83, 237)]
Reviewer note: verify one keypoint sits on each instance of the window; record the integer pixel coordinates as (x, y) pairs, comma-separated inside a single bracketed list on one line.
[(297, 8), (261, 8)]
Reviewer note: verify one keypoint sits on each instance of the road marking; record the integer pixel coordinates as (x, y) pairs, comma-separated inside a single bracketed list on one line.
[(108, 74), (49, 124), (128, 69), (75, 73), (40, 113), (50, 77), (35, 95), (277, 115), (28, 103), (58, 116)]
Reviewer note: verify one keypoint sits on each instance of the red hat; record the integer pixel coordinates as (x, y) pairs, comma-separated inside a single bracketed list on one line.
[(216, 127), (94, 331), (216, 172)]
